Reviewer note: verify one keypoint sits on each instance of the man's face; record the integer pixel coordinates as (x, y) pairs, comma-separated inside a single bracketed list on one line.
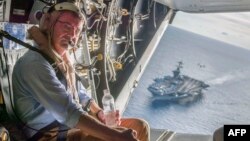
[(67, 29)]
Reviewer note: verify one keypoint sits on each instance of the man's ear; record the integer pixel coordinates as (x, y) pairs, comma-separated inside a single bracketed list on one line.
[(44, 22)]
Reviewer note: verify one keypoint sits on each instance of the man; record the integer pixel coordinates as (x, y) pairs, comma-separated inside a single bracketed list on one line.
[(45, 95)]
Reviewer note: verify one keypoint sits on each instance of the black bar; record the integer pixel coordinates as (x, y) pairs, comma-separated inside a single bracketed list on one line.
[(236, 132)]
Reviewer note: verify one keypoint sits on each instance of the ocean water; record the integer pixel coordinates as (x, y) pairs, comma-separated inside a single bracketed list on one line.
[(222, 64)]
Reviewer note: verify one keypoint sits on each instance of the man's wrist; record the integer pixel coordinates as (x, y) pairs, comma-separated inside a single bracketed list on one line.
[(87, 106)]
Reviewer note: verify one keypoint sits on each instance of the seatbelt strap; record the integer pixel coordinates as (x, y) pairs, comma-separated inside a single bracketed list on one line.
[(12, 38)]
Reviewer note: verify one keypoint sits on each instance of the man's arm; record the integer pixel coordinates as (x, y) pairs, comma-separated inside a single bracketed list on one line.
[(97, 129)]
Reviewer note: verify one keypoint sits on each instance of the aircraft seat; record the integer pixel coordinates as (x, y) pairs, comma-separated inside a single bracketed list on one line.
[(7, 62)]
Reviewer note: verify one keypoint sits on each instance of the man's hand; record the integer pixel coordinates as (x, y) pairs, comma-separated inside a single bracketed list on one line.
[(101, 117)]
